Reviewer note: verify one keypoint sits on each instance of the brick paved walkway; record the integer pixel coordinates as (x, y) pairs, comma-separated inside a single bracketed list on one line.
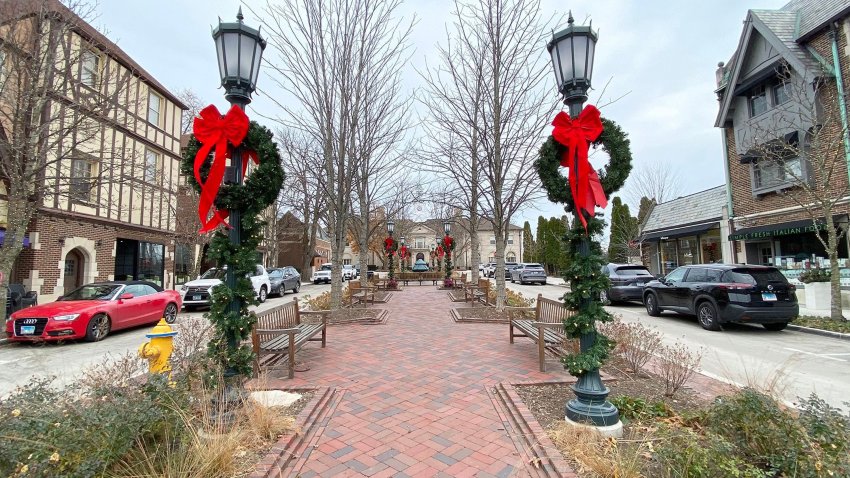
[(416, 401)]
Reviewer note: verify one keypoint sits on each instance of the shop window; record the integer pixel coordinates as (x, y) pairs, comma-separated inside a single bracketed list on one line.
[(710, 248), (687, 248), (758, 101), (669, 256), (182, 263), (138, 260)]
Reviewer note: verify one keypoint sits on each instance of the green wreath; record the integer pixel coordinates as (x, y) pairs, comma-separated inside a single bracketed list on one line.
[(584, 271), (259, 190)]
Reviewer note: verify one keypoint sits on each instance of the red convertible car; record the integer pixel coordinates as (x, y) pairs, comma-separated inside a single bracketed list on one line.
[(93, 310)]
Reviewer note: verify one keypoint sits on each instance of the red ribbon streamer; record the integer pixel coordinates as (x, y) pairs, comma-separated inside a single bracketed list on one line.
[(576, 135), (214, 131)]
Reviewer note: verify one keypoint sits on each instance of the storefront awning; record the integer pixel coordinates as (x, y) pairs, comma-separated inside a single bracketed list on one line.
[(680, 231), (773, 230), (3, 237)]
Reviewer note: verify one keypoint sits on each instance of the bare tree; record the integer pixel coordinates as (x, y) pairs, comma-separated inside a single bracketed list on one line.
[(302, 162), (54, 107), (653, 179), (194, 105), (453, 98), (326, 52), (517, 107), (798, 153)]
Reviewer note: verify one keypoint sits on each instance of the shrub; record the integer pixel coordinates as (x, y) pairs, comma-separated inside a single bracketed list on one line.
[(815, 275), (677, 364), (634, 408), (681, 452), (512, 299), (635, 342)]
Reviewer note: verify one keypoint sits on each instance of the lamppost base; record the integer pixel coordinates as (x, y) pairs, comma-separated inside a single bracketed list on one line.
[(615, 430)]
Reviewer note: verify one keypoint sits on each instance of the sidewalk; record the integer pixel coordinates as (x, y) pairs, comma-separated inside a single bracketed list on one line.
[(415, 399)]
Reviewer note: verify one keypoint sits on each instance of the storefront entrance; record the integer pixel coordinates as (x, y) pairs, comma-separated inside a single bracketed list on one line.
[(139, 260)]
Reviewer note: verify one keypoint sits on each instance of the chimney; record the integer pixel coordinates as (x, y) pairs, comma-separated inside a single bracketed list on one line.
[(720, 74)]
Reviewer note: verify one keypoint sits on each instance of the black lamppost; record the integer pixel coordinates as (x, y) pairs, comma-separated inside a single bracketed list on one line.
[(572, 51), (239, 50), (447, 228), (390, 229)]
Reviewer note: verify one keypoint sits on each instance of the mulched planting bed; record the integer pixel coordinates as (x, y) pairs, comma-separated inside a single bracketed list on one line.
[(356, 315), (457, 295), (547, 401), (479, 314)]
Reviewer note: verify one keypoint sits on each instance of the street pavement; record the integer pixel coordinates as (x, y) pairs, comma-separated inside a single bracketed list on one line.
[(20, 362)]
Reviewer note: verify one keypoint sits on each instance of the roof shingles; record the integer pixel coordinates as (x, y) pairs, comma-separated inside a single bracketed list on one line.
[(704, 206)]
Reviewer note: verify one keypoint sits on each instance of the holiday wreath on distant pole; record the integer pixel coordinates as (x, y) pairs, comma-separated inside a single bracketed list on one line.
[(448, 245), (214, 133), (585, 189)]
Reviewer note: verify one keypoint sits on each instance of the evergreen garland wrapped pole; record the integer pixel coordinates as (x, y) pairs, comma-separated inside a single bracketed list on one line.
[(584, 269), (448, 245), (229, 311)]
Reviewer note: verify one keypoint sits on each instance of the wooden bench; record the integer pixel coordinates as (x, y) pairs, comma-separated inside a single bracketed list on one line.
[(477, 292), (361, 294), (407, 277), (459, 280), (547, 327), (280, 331)]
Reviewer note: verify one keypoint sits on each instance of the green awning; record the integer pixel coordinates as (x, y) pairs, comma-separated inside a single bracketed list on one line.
[(773, 230)]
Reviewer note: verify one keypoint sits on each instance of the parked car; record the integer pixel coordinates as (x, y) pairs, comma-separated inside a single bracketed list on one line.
[(322, 274), (627, 282), (17, 298), (94, 310), (509, 266), (722, 293), (283, 279), (528, 272), (490, 269), (348, 272), (196, 293)]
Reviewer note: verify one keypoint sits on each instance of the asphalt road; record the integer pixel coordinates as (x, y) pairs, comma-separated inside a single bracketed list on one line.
[(19, 362), (793, 364)]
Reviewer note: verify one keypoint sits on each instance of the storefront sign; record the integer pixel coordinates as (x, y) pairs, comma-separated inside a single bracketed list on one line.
[(777, 232)]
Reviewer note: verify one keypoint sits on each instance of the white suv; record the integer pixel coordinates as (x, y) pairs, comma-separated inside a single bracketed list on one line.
[(322, 274), (197, 292), (349, 272)]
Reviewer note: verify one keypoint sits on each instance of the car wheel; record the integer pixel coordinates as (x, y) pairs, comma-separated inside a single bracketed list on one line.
[(776, 326), (651, 303), (707, 316), (170, 314), (603, 297), (98, 328), (263, 294), (315, 282), (297, 287)]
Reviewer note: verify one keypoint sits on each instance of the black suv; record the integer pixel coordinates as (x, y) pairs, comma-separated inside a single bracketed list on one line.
[(721, 293)]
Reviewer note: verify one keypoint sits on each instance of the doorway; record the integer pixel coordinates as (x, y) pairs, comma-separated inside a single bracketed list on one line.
[(74, 266)]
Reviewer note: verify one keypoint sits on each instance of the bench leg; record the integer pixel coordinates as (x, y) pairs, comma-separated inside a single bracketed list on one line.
[(291, 355), (324, 336), (541, 348), (512, 332)]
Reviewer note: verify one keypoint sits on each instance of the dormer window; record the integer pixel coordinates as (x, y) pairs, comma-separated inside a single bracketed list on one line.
[(758, 101), (781, 94)]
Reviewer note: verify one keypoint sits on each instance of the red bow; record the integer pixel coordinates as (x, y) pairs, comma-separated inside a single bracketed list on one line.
[(214, 130), (440, 251), (447, 241), (576, 135)]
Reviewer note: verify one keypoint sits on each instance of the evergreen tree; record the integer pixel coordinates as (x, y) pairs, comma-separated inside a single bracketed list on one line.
[(540, 244), (556, 250), (624, 231), (528, 248), (644, 209)]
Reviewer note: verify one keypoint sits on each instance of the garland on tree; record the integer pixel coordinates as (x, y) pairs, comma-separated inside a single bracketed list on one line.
[(390, 248), (584, 272), (448, 245), (258, 191)]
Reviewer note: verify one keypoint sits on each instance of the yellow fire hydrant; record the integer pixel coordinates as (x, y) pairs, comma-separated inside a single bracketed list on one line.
[(158, 350)]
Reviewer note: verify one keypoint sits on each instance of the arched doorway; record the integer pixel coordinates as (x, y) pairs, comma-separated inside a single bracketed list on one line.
[(74, 267), (420, 256)]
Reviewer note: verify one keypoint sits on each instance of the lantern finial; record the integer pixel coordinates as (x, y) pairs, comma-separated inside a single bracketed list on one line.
[(239, 15), (570, 19)]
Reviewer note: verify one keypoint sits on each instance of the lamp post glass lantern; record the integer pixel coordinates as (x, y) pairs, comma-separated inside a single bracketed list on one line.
[(572, 51), (390, 227), (447, 226), (239, 51)]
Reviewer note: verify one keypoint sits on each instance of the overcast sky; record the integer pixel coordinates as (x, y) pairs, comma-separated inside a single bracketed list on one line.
[(663, 57)]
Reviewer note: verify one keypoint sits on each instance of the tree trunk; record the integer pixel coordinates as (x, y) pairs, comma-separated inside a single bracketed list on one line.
[(364, 246), (18, 219), (501, 293), (835, 278)]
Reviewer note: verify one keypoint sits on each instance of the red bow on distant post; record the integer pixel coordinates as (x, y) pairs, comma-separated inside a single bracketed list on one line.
[(214, 130), (576, 135)]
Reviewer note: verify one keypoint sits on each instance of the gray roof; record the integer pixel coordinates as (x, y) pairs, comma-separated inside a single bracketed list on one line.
[(783, 24), (704, 206), (815, 15)]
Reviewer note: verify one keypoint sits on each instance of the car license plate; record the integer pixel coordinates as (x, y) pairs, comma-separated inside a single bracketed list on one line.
[(27, 329), (768, 296), (196, 297)]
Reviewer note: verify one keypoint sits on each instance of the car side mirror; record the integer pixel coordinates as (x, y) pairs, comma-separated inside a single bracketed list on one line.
[(126, 296)]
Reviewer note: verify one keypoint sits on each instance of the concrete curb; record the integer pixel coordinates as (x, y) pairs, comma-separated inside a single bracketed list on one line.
[(824, 333)]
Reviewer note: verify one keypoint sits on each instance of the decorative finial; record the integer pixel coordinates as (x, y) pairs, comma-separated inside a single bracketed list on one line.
[(570, 20), (239, 15)]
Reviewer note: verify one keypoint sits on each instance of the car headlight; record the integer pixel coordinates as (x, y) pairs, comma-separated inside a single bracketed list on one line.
[(66, 317), (184, 287)]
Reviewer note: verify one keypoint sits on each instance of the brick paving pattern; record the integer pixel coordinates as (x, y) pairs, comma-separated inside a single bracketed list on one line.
[(415, 401)]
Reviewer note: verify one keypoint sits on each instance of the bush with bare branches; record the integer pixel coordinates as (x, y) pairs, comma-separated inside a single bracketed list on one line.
[(636, 343), (678, 363)]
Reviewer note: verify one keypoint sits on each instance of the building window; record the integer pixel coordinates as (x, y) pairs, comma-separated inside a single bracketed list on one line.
[(151, 165), (758, 101), (346, 261), (774, 174), (82, 179), (510, 240), (90, 75), (511, 258), (154, 108), (780, 94), (182, 263), (420, 243), (492, 240)]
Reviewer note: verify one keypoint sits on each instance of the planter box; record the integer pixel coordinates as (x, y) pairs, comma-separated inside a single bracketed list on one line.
[(817, 295)]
